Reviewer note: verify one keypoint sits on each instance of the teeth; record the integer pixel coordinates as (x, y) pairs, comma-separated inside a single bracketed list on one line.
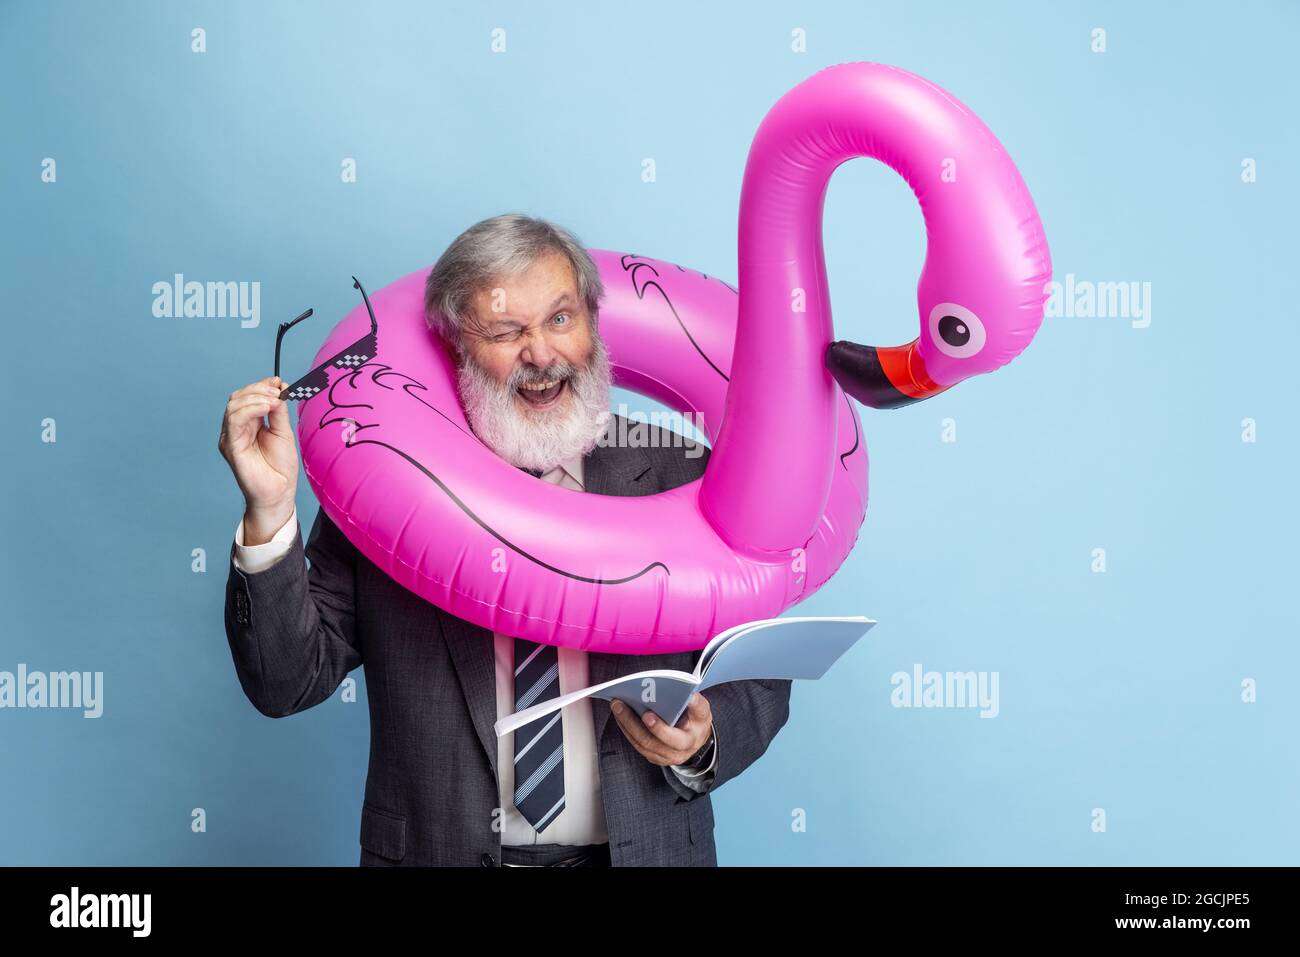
[(539, 387)]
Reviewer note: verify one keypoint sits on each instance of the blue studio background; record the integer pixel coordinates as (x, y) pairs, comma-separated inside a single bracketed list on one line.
[(1120, 690)]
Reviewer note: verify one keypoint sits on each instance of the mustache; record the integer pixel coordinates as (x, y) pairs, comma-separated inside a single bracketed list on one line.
[(559, 370)]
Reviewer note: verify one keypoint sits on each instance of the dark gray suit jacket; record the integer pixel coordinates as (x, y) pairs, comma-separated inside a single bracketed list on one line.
[(295, 632)]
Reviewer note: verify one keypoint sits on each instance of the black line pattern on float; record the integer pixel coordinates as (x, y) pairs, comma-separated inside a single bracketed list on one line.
[(497, 535), (640, 294), (706, 276), (854, 419), (352, 441), (383, 370), (631, 269)]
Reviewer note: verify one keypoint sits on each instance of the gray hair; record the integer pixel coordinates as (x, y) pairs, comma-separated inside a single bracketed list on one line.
[(501, 246)]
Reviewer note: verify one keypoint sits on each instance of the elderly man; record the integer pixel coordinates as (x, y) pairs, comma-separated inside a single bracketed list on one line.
[(516, 299)]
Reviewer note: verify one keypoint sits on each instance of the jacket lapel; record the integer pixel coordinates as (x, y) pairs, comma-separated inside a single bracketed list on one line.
[(607, 470), (626, 471), (619, 470), (473, 652)]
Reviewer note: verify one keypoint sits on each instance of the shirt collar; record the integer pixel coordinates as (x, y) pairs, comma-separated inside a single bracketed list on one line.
[(573, 467)]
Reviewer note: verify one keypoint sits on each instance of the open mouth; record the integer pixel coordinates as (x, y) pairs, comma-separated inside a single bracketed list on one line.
[(542, 395)]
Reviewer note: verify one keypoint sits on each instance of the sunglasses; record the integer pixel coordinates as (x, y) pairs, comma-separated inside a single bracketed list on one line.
[(350, 358)]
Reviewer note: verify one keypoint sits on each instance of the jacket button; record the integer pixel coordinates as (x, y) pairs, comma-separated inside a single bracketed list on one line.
[(487, 860)]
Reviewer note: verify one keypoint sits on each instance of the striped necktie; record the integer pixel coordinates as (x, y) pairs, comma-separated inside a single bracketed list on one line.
[(539, 745)]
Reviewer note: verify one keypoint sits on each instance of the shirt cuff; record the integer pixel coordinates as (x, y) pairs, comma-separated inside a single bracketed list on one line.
[(251, 559), (697, 778)]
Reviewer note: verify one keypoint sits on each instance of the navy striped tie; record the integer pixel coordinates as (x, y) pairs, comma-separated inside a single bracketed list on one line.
[(539, 745)]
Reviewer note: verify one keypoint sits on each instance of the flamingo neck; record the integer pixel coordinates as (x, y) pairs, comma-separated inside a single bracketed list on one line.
[(770, 471)]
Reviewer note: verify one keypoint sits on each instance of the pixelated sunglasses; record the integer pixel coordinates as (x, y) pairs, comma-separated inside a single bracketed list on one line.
[(353, 356)]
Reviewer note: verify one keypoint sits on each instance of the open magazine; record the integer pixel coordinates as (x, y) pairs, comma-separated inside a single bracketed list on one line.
[(768, 648)]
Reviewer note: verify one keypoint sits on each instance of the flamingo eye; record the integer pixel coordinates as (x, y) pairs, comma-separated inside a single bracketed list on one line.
[(956, 331)]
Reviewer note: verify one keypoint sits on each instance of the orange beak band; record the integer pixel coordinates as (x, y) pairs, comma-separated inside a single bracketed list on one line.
[(885, 378)]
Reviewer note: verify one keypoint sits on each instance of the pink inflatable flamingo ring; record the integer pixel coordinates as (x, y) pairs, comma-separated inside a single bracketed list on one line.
[(390, 455)]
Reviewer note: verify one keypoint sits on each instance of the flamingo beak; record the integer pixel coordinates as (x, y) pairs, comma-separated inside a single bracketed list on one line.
[(882, 378)]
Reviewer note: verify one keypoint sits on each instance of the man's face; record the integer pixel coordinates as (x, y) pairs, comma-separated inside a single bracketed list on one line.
[(532, 332), (534, 377)]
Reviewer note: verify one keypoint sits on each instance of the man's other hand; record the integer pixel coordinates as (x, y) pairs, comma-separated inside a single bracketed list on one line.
[(658, 741)]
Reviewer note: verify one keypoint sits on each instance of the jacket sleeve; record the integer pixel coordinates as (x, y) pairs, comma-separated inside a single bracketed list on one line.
[(292, 629), (746, 717)]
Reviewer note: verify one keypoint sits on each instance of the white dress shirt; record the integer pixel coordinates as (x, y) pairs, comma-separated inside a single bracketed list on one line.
[(583, 819)]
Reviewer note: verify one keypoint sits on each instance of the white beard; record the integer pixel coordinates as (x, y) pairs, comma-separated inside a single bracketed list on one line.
[(539, 440)]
